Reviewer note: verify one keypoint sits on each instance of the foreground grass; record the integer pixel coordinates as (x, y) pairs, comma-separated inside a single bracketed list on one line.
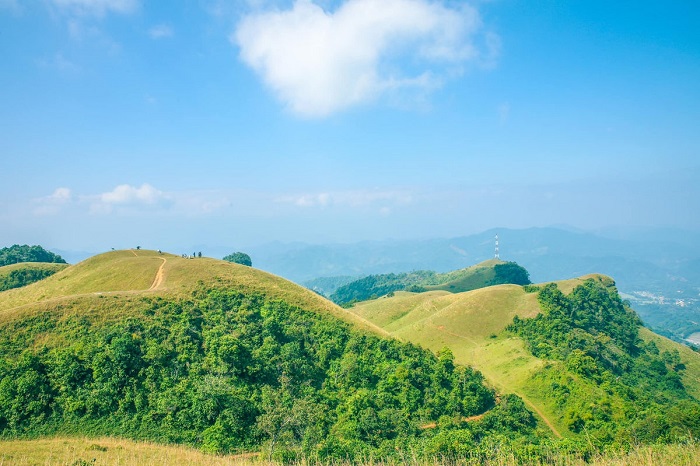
[(110, 451)]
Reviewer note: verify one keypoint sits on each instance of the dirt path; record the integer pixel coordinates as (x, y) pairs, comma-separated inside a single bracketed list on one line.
[(157, 282), (160, 275)]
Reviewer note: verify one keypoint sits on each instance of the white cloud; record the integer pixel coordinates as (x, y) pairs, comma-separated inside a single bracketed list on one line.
[(160, 31), (125, 194), (97, 7), (319, 62), (53, 203)]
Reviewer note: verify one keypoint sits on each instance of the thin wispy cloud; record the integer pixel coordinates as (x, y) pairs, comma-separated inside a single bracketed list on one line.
[(161, 31), (97, 7), (355, 199), (53, 203), (319, 62)]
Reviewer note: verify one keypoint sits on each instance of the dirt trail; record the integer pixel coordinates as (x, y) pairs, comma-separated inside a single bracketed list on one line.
[(157, 282), (160, 275)]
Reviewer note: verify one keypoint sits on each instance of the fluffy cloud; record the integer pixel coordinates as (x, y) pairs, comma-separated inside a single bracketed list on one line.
[(125, 194), (97, 7), (319, 62)]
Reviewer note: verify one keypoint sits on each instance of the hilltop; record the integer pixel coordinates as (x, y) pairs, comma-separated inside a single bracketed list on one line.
[(487, 273), (478, 328)]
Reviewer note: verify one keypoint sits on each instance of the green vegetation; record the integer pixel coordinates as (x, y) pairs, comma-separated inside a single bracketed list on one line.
[(489, 273), (238, 258), (229, 359), (605, 381), (16, 254), (26, 273), (232, 363)]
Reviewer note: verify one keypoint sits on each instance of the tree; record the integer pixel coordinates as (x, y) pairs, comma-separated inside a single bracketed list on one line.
[(239, 258)]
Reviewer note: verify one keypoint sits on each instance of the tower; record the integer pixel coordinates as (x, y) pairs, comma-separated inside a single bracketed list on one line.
[(496, 255)]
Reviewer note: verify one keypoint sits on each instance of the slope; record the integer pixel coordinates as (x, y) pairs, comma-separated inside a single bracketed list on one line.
[(487, 273), (472, 325), (226, 358), (25, 273), (92, 285)]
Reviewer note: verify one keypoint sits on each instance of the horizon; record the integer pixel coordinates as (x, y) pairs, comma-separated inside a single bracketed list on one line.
[(130, 123)]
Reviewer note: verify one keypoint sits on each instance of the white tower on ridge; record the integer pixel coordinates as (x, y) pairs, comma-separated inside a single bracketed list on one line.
[(496, 255)]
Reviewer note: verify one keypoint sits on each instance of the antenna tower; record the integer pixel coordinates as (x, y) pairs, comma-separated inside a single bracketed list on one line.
[(496, 255)]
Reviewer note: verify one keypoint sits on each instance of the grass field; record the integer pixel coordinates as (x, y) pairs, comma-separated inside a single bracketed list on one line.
[(109, 452), (472, 325), (110, 284)]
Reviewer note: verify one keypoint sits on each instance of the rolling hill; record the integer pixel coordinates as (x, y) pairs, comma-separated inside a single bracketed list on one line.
[(230, 359), (227, 358), (474, 326), (487, 273)]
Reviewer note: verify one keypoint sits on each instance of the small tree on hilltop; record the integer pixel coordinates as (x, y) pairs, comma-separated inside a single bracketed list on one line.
[(239, 258)]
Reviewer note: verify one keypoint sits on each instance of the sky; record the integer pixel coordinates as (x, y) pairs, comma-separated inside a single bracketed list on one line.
[(234, 123)]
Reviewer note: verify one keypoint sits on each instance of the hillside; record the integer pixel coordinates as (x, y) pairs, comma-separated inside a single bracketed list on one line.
[(26, 273), (133, 273), (656, 269), (474, 326), (487, 273), (226, 358)]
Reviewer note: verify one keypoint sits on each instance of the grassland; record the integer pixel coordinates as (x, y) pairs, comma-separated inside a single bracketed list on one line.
[(110, 451), (467, 279), (472, 325), (109, 284)]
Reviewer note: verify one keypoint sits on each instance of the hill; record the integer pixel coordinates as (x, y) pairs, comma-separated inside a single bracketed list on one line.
[(228, 358), (26, 273), (477, 327), (487, 273), (656, 269)]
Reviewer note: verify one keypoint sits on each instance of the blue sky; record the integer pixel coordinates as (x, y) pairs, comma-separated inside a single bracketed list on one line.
[(233, 123)]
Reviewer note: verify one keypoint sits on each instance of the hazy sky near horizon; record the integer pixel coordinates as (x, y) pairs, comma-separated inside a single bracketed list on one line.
[(212, 122)]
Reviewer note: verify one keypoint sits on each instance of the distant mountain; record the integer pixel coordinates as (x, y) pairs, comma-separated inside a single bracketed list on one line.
[(664, 264)]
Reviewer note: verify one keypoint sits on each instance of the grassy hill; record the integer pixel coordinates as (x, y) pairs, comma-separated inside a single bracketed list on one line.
[(228, 358), (473, 325), (121, 277), (487, 273), (25, 273)]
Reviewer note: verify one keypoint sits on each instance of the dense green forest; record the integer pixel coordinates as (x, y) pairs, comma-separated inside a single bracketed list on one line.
[(626, 390), (230, 372), (374, 286), (16, 254), (16, 276)]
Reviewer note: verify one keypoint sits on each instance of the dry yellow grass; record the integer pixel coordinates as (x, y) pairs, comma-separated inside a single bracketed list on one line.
[(110, 451), (110, 283)]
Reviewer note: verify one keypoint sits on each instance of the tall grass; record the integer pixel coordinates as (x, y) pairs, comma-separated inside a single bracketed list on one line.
[(110, 451)]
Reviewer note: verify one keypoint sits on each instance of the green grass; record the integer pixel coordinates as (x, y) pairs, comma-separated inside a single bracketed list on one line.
[(472, 325), (471, 278), (108, 285)]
